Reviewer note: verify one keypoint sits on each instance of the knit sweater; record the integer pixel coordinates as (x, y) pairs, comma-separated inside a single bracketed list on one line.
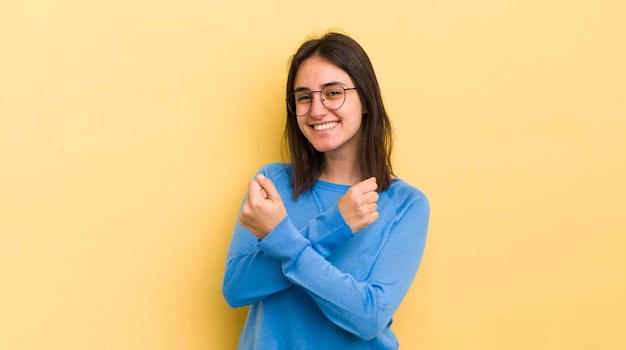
[(312, 283)]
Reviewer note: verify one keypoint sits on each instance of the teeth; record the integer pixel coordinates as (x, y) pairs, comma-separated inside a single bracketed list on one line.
[(325, 126)]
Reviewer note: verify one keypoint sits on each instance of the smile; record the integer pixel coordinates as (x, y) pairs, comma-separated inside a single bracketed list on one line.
[(325, 126)]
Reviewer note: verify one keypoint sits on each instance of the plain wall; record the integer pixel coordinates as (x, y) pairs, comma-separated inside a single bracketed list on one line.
[(129, 130)]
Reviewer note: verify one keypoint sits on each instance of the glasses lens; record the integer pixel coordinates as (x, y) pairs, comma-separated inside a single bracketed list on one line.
[(299, 102), (333, 96)]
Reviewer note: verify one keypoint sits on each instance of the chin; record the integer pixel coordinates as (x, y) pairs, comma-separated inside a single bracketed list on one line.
[(324, 148)]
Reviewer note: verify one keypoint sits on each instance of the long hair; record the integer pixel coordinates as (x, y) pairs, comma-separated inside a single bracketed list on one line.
[(376, 143)]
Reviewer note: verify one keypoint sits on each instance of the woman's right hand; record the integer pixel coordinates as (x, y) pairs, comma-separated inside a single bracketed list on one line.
[(263, 208), (358, 205)]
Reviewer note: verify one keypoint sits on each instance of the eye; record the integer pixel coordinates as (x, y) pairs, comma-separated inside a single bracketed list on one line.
[(303, 97), (333, 92)]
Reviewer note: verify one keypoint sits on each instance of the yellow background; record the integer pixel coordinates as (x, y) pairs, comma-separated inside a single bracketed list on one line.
[(129, 129)]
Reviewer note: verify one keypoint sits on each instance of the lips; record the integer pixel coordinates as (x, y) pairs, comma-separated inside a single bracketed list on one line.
[(325, 126)]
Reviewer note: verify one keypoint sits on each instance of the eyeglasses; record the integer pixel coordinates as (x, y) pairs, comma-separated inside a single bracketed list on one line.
[(333, 97)]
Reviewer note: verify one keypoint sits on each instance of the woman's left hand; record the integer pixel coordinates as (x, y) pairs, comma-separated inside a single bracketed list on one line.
[(263, 208)]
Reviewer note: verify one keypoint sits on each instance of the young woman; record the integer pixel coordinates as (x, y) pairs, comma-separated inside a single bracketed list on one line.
[(327, 246)]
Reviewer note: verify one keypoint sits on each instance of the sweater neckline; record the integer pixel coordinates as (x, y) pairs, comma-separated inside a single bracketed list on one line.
[(331, 185)]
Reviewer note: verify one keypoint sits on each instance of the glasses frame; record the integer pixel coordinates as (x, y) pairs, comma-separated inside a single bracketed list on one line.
[(291, 97)]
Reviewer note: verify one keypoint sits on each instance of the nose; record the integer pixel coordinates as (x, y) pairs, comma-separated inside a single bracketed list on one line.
[(317, 107)]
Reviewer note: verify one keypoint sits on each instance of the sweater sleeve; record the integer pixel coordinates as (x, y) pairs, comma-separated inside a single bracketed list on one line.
[(251, 274), (362, 307), (327, 231)]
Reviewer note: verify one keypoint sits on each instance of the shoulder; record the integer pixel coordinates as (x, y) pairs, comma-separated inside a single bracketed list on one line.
[(277, 170), (405, 195), (279, 173)]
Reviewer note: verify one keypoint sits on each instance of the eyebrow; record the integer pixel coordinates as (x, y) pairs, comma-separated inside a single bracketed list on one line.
[(302, 88)]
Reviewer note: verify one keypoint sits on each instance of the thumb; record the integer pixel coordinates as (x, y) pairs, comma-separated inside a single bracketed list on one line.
[(268, 186), (368, 185), (255, 191)]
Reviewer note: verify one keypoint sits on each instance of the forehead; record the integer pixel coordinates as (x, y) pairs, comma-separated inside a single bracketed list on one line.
[(315, 72)]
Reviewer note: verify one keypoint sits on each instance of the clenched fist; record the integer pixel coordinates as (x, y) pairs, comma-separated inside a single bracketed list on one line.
[(263, 208), (358, 205)]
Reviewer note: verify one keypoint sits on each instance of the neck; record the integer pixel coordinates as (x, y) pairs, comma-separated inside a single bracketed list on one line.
[(340, 170)]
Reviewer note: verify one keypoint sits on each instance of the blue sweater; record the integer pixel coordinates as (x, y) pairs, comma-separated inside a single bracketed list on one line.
[(313, 284)]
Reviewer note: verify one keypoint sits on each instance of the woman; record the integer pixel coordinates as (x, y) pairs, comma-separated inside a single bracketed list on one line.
[(327, 246)]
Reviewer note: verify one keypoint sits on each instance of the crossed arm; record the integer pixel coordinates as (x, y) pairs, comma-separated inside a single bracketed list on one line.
[(284, 255)]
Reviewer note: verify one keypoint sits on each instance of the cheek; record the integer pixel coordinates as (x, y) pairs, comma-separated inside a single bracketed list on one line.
[(302, 125)]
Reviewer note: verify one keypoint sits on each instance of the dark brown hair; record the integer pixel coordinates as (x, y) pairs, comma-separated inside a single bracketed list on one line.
[(376, 142)]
